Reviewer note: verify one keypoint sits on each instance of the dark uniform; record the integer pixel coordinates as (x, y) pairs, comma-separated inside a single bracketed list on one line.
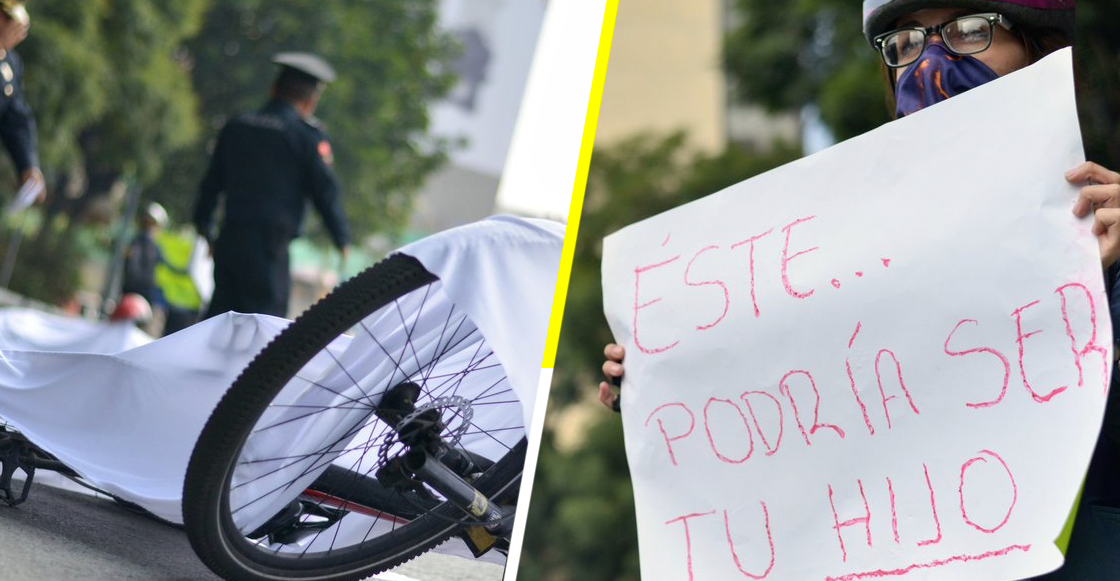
[(267, 164), (17, 125), (140, 262)]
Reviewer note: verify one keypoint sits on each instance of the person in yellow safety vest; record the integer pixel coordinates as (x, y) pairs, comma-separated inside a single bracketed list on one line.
[(172, 276)]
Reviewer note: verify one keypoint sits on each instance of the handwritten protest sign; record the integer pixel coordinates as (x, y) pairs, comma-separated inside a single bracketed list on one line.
[(888, 359)]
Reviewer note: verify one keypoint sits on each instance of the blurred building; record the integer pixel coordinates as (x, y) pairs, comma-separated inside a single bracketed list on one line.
[(665, 75), (499, 46), (497, 40)]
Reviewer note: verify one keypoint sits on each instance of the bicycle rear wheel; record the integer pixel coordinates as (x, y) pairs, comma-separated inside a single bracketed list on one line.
[(292, 476)]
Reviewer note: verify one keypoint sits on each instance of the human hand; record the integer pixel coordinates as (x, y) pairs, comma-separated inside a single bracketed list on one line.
[(33, 175), (1101, 197), (612, 368)]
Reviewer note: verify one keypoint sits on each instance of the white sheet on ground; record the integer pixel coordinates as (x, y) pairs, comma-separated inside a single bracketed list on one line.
[(24, 329), (127, 420)]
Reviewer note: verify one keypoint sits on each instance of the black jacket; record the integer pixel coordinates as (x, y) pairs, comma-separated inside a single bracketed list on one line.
[(17, 124), (268, 164)]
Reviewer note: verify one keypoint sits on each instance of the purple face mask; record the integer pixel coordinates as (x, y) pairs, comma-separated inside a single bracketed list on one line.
[(937, 75)]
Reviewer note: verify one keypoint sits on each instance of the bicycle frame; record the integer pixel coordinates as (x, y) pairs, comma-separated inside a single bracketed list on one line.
[(428, 460), (17, 452)]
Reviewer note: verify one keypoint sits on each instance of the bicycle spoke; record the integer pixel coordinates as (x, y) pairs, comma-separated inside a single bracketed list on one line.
[(420, 338)]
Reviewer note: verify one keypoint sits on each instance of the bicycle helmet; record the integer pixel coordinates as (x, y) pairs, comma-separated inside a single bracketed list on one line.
[(155, 212), (16, 11), (879, 15), (132, 307)]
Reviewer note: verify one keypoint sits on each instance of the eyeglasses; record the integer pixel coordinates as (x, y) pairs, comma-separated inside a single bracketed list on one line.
[(964, 35)]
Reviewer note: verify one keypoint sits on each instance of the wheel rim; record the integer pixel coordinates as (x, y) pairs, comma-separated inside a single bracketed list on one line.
[(324, 415)]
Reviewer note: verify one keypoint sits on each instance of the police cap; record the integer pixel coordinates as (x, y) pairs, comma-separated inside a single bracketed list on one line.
[(305, 63), (15, 9)]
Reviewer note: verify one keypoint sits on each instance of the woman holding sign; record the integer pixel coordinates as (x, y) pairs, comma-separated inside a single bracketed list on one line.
[(935, 49)]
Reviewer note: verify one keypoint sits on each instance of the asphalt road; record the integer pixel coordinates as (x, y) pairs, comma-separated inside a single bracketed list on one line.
[(66, 535), (62, 535)]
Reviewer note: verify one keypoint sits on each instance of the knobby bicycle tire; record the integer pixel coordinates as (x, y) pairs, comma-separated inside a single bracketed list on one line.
[(207, 520)]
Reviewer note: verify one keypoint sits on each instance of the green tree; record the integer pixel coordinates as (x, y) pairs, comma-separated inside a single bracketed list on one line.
[(113, 100), (581, 516), (136, 90), (785, 55), (631, 180), (581, 520), (111, 94)]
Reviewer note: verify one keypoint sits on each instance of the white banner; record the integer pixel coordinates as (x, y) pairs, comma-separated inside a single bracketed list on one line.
[(888, 359)]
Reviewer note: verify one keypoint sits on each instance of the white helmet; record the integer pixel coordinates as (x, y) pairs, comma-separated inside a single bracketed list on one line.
[(155, 212)]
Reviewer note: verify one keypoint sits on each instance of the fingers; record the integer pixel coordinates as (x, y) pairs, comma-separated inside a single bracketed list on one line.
[(1102, 199), (606, 396), (614, 352), (612, 369), (34, 177), (1106, 227), (1093, 172), (1096, 196), (30, 174)]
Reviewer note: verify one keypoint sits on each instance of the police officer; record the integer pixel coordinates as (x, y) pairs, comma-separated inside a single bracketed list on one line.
[(17, 125), (266, 165)]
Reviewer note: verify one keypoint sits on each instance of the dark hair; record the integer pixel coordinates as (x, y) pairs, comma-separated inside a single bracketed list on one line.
[(1042, 41), (295, 86), (1039, 42)]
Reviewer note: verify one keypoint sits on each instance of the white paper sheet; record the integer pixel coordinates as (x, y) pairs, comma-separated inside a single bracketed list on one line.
[(127, 419), (887, 359)]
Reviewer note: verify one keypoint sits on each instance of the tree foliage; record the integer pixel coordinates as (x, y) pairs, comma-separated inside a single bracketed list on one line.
[(785, 55), (632, 180), (581, 515), (581, 519), (136, 90), (112, 100), (110, 91), (392, 63)]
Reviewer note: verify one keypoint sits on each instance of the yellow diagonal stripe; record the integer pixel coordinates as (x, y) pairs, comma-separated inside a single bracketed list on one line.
[(586, 145)]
